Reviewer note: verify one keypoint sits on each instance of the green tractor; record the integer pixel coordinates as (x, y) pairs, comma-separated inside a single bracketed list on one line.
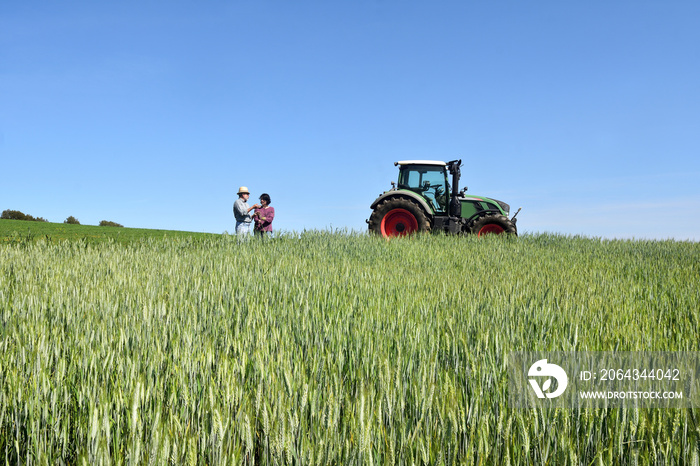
[(423, 200)]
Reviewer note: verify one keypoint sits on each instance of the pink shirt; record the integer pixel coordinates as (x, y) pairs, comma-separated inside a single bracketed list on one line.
[(269, 214)]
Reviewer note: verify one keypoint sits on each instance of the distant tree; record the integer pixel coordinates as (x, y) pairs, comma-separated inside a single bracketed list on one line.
[(107, 223), (13, 215), (17, 215), (72, 221)]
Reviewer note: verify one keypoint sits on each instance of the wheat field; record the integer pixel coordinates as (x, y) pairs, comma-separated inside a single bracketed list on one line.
[(331, 348)]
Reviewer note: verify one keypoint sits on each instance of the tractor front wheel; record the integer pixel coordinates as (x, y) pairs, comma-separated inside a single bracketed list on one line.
[(493, 225), (398, 217)]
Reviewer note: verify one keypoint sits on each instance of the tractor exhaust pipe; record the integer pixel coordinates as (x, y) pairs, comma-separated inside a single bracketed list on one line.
[(453, 168)]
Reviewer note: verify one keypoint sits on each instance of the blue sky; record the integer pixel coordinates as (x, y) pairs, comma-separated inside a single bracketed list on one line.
[(153, 113)]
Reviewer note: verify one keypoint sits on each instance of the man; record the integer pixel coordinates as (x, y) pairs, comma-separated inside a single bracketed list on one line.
[(242, 212)]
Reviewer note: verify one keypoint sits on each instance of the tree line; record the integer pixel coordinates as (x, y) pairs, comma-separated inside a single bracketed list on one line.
[(17, 215)]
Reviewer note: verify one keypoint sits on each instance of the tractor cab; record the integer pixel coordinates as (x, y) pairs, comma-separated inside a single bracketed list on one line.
[(427, 179)]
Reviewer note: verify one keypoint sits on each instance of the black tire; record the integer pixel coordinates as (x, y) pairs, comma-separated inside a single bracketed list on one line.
[(493, 224), (398, 216)]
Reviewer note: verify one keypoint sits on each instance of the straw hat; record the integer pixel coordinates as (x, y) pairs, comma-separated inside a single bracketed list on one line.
[(243, 190)]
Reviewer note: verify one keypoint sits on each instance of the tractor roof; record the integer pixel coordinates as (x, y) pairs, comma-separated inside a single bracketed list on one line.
[(421, 162)]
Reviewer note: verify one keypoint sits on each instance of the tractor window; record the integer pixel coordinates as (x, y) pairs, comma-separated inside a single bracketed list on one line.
[(427, 180)]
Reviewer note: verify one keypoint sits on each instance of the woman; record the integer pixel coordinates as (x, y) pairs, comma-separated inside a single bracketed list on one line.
[(263, 216)]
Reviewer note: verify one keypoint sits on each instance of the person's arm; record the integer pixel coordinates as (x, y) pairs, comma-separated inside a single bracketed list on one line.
[(269, 215), (239, 206), (239, 209), (257, 218)]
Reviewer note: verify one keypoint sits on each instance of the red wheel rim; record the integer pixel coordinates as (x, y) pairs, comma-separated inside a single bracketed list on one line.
[(399, 222), (491, 229)]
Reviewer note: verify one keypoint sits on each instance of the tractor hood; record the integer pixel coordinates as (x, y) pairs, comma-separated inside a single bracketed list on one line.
[(485, 203)]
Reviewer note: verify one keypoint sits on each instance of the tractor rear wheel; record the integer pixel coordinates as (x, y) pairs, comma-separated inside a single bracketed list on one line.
[(398, 217), (493, 224)]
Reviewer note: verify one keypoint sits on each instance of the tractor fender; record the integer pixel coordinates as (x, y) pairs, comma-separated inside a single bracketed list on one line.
[(407, 194)]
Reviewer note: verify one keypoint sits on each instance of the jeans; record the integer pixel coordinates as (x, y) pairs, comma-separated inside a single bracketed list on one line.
[(242, 228)]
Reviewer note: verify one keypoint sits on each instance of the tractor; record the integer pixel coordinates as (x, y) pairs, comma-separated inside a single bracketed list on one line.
[(424, 200)]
